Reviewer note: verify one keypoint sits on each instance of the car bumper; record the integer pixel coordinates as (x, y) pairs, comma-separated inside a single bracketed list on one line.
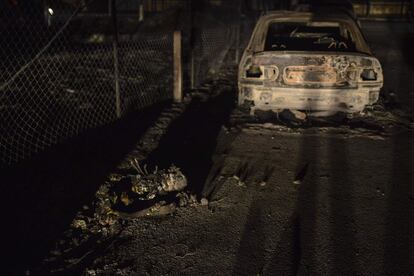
[(275, 98)]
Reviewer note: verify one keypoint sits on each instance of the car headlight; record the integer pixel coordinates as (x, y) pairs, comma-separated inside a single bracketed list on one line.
[(368, 75), (262, 72), (254, 71)]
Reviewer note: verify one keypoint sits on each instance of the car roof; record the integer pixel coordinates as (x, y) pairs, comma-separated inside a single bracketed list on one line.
[(320, 15)]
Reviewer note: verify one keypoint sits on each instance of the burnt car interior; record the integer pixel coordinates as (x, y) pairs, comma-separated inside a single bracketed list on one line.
[(303, 36)]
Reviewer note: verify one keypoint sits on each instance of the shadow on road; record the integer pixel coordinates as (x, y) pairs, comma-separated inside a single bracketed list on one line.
[(306, 206), (398, 259), (342, 218), (251, 254), (287, 255), (295, 252), (191, 140), (295, 247), (300, 248)]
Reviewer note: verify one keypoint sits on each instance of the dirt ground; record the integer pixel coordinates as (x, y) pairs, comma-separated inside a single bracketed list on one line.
[(350, 214), (314, 199)]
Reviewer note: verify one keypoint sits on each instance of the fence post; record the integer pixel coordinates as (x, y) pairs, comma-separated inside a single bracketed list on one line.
[(141, 11), (116, 60), (178, 70), (192, 39)]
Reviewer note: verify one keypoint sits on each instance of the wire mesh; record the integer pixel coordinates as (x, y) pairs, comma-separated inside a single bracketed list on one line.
[(70, 65), (211, 32), (57, 73), (145, 71)]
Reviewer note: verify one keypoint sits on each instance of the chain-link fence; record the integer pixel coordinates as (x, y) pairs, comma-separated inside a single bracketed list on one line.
[(212, 34), (64, 69), (70, 65)]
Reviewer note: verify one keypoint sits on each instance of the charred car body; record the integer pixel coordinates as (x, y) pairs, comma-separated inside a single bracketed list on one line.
[(310, 62)]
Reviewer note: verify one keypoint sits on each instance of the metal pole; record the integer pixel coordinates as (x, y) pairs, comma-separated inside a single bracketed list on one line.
[(141, 11), (178, 70), (192, 38), (116, 60)]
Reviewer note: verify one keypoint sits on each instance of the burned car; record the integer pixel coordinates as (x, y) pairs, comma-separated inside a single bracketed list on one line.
[(309, 62)]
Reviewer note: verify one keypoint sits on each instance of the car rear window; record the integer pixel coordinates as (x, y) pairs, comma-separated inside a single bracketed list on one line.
[(309, 36)]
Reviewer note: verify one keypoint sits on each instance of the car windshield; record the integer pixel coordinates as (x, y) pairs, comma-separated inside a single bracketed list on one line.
[(309, 36)]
